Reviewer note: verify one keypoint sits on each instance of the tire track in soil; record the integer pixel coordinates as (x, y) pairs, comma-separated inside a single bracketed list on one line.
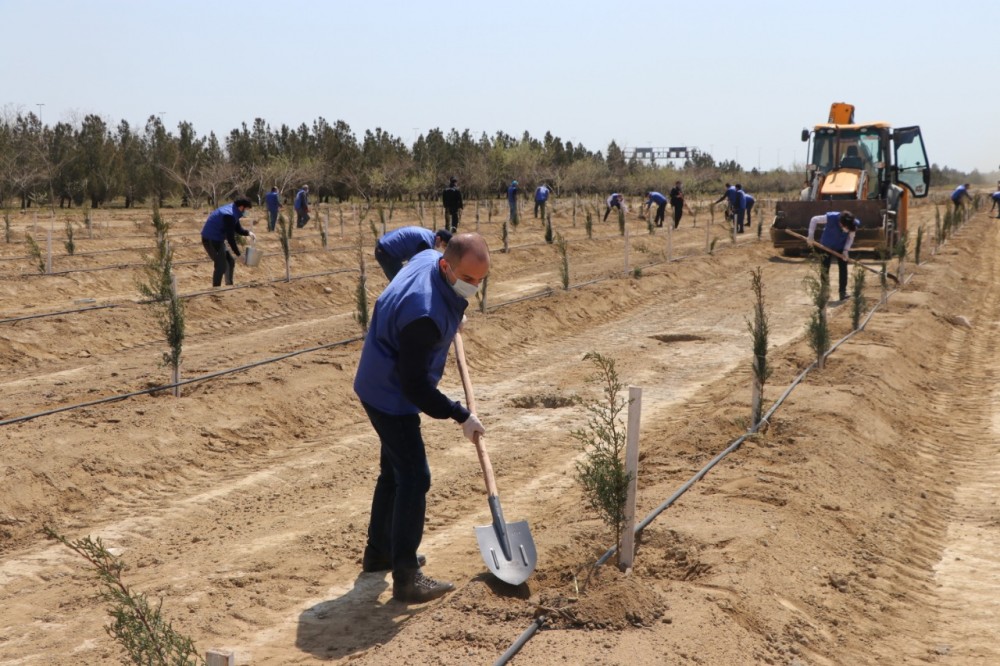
[(966, 577)]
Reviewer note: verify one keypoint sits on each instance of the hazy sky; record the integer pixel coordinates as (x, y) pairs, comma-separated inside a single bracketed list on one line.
[(737, 79)]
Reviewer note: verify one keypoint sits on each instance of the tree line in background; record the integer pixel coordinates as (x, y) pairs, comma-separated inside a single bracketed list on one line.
[(95, 164)]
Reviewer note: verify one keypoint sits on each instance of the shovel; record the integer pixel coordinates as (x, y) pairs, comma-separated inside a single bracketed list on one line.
[(840, 256), (507, 548)]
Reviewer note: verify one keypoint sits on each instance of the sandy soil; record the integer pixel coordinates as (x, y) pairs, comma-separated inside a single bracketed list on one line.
[(862, 527)]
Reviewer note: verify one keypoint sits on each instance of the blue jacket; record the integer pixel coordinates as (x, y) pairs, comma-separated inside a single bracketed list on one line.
[(512, 193), (995, 196), (215, 225), (657, 197), (739, 201), (749, 199), (404, 243), (542, 193), (419, 290), (959, 192), (833, 236), (301, 200), (272, 201)]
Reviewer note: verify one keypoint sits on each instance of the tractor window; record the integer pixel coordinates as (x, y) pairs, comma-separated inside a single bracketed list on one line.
[(823, 150), (911, 161), (871, 155)]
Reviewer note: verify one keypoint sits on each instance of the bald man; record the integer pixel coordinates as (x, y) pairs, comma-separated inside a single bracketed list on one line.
[(402, 360)]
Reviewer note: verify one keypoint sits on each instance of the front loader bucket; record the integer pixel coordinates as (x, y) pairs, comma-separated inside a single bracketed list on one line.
[(795, 216)]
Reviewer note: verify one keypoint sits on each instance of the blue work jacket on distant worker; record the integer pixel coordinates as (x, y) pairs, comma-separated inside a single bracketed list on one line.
[(219, 228), (272, 201), (419, 290), (657, 198), (512, 192), (834, 236), (405, 242), (738, 201), (960, 191), (542, 193)]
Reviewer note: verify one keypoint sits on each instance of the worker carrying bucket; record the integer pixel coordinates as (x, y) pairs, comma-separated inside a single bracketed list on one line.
[(220, 229)]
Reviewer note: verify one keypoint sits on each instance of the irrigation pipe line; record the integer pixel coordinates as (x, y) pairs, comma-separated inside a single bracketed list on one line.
[(248, 285), (537, 623), (192, 380), (186, 262)]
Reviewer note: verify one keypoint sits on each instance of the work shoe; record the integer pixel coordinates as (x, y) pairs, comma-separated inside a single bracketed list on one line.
[(413, 587), (373, 562)]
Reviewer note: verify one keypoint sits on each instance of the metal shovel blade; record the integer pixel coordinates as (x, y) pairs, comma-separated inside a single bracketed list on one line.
[(507, 548)]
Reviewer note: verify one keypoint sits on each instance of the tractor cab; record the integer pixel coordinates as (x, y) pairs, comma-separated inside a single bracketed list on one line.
[(870, 169)]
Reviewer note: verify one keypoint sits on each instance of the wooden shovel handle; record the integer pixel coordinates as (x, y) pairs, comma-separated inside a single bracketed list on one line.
[(470, 401), (840, 256)]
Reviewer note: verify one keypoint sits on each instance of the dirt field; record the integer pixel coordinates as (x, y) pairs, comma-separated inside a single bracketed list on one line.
[(862, 527)]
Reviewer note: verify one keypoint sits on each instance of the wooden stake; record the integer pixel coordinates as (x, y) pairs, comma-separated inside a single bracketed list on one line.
[(220, 658), (708, 232), (670, 242), (627, 553), (626, 249), (175, 372), (48, 250)]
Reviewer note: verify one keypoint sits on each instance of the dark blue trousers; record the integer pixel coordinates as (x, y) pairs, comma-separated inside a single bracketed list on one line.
[(399, 503)]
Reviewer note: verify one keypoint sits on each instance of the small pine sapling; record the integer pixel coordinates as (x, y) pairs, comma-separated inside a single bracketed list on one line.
[(35, 252), (602, 471), (759, 329), (70, 244), (900, 253), (858, 302), (564, 260), (159, 286), (884, 279), (138, 626), (818, 286), (548, 229), (588, 225), (361, 293), (938, 237)]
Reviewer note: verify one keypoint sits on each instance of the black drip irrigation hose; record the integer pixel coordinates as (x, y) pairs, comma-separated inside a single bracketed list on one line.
[(248, 285), (113, 267), (539, 621), (42, 315), (192, 380)]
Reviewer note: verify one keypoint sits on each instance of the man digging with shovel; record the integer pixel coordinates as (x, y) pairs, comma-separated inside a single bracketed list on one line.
[(838, 235), (402, 360)]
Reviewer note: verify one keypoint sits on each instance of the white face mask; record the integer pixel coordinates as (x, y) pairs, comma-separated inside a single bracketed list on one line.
[(464, 289), (461, 287)]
